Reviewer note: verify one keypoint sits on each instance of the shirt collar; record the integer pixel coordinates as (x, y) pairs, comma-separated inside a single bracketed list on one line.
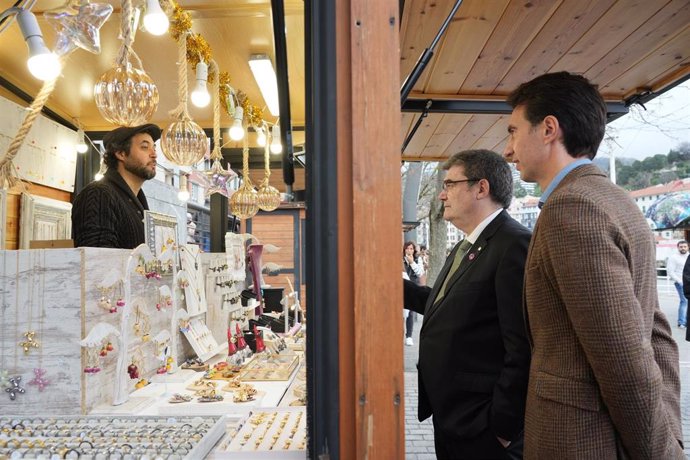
[(472, 237), (559, 177)]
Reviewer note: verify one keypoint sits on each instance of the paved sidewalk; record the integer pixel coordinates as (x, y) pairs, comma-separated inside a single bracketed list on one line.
[(419, 437)]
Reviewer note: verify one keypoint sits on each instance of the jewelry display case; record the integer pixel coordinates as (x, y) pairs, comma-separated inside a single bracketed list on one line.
[(104, 437), (98, 331), (277, 367)]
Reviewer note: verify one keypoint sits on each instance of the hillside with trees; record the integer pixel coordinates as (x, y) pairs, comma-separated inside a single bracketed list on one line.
[(654, 170)]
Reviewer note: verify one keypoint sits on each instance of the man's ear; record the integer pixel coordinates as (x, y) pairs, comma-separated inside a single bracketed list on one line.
[(551, 129), (120, 155), (484, 188)]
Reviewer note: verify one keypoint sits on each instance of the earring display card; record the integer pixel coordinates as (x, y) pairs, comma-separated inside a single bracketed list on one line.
[(195, 293), (111, 437), (267, 434), (201, 339)]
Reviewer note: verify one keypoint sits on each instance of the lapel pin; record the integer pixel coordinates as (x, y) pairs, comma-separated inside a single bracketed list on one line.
[(471, 256)]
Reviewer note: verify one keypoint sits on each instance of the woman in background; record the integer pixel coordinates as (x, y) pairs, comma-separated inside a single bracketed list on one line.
[(412, 266)]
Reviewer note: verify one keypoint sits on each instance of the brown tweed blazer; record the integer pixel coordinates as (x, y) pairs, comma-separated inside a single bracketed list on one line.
[(604, 380)]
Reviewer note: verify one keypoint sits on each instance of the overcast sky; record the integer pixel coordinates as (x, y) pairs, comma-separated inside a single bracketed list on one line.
[(640, 133)]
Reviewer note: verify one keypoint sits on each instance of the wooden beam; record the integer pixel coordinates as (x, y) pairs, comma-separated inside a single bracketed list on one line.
[(369, 210)]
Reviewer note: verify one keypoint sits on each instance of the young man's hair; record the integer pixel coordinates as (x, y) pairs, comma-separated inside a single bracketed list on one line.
[(574, 101), (485, 164)]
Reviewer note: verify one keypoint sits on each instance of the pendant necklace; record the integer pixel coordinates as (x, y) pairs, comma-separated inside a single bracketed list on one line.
[(40, 379)]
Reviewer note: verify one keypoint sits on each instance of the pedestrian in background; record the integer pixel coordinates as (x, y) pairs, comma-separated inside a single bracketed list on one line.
[(604, 381), (415, 271), (674, 269)]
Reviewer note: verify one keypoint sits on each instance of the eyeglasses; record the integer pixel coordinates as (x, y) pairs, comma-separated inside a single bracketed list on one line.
[(449, 183)]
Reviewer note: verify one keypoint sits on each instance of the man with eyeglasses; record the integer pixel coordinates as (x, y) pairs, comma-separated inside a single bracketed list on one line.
[(473, 354)]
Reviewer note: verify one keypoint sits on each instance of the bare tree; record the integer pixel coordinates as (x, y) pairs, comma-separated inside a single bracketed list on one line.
[(437, 229)]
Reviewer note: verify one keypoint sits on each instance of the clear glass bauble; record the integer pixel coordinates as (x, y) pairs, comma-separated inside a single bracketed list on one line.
[(184, 143), (268, 197), (126, 96), (244, 202)]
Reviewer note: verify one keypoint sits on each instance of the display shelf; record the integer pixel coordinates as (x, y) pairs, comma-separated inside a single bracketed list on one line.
[(115, 437)]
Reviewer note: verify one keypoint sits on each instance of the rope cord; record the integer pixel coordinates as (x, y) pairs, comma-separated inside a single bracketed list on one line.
[(267, 161), (8, 174), (245, 156), (215, 155), (180, 112), (126, 50)]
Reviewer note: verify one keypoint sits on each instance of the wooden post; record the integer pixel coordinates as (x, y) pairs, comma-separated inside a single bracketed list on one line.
[(369, 230)]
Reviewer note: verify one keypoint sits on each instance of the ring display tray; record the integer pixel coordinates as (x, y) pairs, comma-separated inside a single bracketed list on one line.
[(266, 434), (122, 436), (277, 367)]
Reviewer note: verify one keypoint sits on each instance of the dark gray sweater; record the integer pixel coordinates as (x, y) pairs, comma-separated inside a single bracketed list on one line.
[(107, 214)]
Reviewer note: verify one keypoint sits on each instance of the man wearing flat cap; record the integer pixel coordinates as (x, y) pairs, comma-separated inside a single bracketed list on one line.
[(110, 213)]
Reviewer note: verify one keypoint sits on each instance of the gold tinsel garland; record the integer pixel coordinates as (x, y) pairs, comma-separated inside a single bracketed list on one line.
[(181, 21), (253, 114), (224, 84), (198, 50)]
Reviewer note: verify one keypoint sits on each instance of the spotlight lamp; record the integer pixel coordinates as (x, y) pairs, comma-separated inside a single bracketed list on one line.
[(43, 64), (200, 96), (236, 131), (81, 146), (155, 20), (276, 146)]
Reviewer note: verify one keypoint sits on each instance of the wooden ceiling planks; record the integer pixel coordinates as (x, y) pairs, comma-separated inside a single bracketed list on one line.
[(568, 23), (423, 134), (653, 34), (422, 21), (446, 131), (471, 132), (462, 43), (493, 135), (652, 72), (615, 26), (519, 24)]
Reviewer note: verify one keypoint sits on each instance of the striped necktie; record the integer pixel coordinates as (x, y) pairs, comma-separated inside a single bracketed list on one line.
[(459, 254)]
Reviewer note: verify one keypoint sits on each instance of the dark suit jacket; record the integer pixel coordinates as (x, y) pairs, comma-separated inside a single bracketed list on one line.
[(473, 354), (604, 381)]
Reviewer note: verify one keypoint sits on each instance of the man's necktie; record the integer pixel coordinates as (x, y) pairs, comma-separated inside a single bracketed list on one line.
[(459, 254)]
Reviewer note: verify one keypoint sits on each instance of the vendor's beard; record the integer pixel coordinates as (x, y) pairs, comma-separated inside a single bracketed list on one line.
[(140, 171)]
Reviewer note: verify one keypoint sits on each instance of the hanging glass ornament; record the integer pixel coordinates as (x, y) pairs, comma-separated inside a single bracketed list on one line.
[(244, 202), (183, 142), (268, 196), (126, 95)]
